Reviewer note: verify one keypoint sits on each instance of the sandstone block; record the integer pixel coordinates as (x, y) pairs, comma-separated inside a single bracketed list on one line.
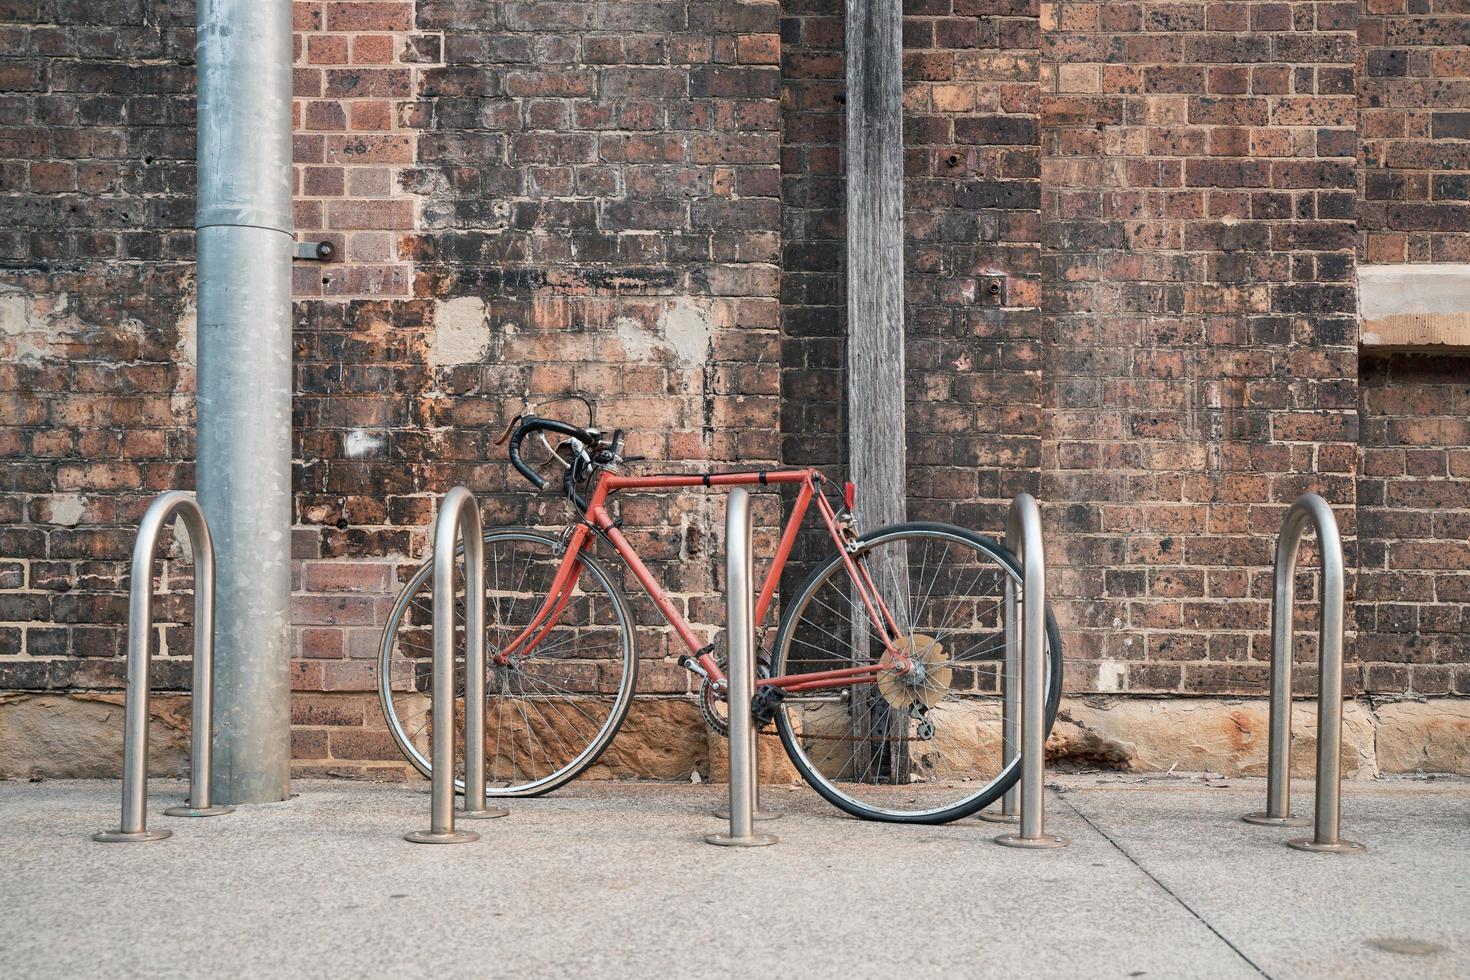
[(1424, 736)]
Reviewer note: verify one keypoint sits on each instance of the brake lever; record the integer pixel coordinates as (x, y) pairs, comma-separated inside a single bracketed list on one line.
[(508, 430), (555, 453)]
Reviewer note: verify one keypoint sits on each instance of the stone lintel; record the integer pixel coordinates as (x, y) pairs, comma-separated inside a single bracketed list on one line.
[(1412, 307)]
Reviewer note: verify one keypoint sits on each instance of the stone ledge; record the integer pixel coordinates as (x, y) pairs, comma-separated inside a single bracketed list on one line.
[(1414, 307), (80, 736)]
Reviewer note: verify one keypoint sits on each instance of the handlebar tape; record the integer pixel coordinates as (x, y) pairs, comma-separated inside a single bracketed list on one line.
[(532, 424)]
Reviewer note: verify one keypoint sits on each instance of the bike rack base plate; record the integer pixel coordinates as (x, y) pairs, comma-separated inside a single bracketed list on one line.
[(999, 817), (198, 811), (124, 837), (1341, 847), (453, 837), (724, 814), (754, 840), (1262, 819), (487, 814), (1037, 843)]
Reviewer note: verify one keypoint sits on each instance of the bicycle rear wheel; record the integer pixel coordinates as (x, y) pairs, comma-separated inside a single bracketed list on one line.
[(550, 713), (925, 747)]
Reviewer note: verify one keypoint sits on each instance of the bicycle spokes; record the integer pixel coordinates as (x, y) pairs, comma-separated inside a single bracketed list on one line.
[(550, 709), (923, 736)]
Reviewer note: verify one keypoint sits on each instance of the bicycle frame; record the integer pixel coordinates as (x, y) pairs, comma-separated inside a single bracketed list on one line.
[(599, 521)]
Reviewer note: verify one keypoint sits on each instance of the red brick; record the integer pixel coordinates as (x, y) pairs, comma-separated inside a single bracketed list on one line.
[(372, 49), (326, 49), (360, 16)]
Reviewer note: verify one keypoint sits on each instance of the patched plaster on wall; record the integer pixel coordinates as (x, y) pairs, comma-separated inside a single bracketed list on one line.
[(461, 332)]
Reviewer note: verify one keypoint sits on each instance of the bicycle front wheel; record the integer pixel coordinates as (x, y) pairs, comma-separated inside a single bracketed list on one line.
[(926, 746), (550, 712)]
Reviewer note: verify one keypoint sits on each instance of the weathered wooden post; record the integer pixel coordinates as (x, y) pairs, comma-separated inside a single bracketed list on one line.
[(875, 348), (875, 367)]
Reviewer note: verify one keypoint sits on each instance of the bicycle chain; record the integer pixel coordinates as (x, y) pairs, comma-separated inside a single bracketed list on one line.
[(847, 738), (861, 738)]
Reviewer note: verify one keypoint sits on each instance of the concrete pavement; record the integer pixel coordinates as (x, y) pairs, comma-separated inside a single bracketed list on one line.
[(1161, 880)]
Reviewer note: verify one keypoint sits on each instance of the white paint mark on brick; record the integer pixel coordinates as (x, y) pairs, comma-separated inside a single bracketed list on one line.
[(66, 509), (1112, 675), (681, 334), (688, 326), (639, 345), (183, 546), (186, 355), (360, 442), (461, 332), (32, 327), (187, 346), (14, 314)]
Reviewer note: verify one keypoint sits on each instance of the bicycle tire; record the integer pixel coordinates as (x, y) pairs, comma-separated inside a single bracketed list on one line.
[(607, 732), (1011, 772)]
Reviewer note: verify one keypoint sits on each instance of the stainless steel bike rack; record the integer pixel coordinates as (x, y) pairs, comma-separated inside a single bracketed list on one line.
[(459, 517), (1308, 510), (1023, 535), (133, 826), (758, 812), (1010, 727), (740, 638)]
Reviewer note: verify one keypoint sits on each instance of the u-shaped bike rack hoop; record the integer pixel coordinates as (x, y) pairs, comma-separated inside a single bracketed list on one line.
[(740, 638), (1010, 682), (133, 826), (1309, 510), (459, 517), (1023, 536)]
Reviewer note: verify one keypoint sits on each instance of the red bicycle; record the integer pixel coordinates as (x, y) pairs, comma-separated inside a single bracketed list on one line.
[(884, 677)]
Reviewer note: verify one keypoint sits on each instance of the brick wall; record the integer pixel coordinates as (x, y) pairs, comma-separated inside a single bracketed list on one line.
[(96, 323), (592, 195), (971, 197), (1198, 206), (1414, 90), (526, 201), (359, 68), (813, 303), (1413, 594), (643, 203)]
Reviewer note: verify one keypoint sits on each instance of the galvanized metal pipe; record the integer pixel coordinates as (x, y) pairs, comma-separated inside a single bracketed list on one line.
[(1023, 534), (1309, 511), (740, 641), (134, 823), (244, 243), (459, 517)]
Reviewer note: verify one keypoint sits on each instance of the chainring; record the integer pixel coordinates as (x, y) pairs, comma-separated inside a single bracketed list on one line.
[(709, 702)]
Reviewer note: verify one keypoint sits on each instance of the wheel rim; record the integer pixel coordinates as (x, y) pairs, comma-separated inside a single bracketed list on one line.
[(548, 715), (858, 746)]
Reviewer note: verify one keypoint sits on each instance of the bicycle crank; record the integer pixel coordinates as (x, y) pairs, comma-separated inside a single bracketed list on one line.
[(712, 697)]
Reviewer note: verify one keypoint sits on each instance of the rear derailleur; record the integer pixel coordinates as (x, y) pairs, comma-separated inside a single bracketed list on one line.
[(924, 731)]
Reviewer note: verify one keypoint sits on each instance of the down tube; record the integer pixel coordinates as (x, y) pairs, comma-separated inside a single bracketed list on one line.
[(551, 607)]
